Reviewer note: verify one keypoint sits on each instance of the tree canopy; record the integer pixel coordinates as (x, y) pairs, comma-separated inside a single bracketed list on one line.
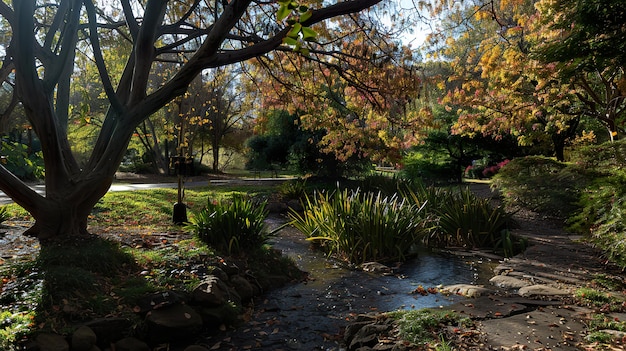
[(41, 44)]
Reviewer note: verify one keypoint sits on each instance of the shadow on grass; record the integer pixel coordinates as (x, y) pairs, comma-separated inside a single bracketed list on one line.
[(69, 282)]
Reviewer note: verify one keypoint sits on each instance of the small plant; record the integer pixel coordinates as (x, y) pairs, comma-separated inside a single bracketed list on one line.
[(231, 226), (600, 324), (293, 189), (13, 326), (360, 227)]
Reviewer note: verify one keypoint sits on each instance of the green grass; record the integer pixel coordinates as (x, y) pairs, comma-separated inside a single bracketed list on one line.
[(603, 300), (422, 326), (153, 208)]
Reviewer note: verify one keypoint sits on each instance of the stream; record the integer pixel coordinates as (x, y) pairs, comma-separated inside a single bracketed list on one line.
[(311, 315)]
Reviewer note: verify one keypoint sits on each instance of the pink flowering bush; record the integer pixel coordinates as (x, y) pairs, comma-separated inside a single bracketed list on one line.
[(489, 172)]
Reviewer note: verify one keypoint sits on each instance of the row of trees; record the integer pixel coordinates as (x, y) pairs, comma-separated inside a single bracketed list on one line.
[(175, 75)]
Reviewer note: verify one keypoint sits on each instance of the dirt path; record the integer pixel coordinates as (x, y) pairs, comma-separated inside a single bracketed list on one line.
[(511, 317)]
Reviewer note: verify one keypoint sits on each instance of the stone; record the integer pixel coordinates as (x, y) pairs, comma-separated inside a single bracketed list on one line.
[(375, 267), (466, 290), (541, 290), (109, 330), (173, 323), (51, 342), (368, 336), (219, 273), (508, 282), (212, 292), (159, 300), (131, 344), (243, 287), (83, 339)]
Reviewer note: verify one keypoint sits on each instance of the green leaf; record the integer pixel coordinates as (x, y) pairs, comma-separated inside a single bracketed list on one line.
[(283, 12), (293, 33), (303, 8), (308, 34), (305, 16), (290, 41)]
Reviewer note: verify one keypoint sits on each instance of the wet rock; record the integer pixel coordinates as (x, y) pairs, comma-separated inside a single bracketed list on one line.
[(51, 342), (243, 287), (368, 336), (131, 344), (508, 282), (356, 325), (376, 267), (219, 273), (541, 290), (213, 317), (466, 290), (212, 292), (173, 323), (83, 339)]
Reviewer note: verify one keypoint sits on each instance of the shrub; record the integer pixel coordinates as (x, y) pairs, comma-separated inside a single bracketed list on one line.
[(232, 225), (360, 227), (540, 184), (20, 161), (602, 216)]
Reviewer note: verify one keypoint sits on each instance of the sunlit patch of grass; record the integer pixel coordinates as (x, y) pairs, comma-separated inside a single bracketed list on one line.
[(152, 208), (422, 326), (600, 299)]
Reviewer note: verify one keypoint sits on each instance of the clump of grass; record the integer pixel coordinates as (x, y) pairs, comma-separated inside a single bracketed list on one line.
[(4, 214), (464, 220), (422, 326), (360, 227), (293, 189), (603, 300), (599, 324), (231, 226), (609, 282)]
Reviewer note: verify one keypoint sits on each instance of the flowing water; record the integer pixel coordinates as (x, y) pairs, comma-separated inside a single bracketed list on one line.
[(310, 315)]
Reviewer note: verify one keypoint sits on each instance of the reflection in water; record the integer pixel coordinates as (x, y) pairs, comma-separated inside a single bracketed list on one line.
[(351, 289), (311, 315)]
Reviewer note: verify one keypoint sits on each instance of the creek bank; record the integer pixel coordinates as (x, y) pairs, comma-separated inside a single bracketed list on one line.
[(529, 302), (171, 320)]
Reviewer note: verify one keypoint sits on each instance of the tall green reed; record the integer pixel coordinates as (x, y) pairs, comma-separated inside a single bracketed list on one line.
[(359, 227)]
